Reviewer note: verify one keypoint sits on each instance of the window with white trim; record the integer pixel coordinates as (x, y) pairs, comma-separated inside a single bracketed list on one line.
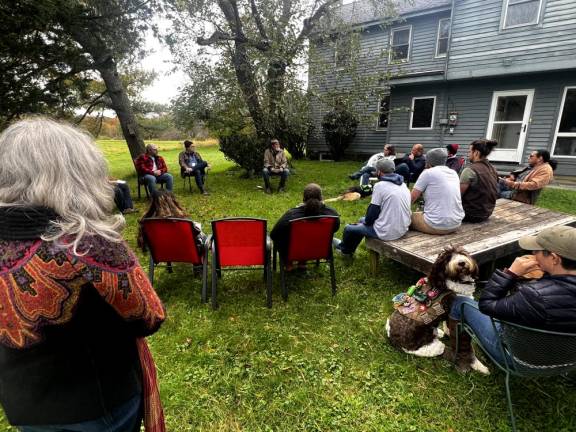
[(422, 113), (442, 37), (400, 39), (342, 51), (565, 141), (383, 112), (521, 12)]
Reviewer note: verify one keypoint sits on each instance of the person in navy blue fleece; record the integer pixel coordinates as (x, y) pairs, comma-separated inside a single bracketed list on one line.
[(387, 216), (411, 165)]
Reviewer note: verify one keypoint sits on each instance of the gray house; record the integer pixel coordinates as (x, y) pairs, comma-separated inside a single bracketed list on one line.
[(466, 69)]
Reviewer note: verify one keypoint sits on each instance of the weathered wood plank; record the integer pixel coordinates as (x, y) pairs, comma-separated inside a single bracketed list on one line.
[(486, 242)]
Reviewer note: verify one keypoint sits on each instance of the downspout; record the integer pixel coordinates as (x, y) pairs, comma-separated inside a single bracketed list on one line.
[(446, 63)]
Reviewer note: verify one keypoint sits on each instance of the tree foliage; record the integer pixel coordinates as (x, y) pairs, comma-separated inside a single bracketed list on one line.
[(253, 85), (51, 49), (339, 126)]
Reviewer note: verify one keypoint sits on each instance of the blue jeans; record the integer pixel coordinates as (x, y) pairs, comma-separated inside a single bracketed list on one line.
[(504, 191), (365, 173), (122, 196), (151, 181), (353, 235), (126, 418), (481, 325), (266, 173)]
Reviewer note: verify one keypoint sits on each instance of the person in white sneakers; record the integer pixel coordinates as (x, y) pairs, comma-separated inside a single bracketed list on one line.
[(369, 170)]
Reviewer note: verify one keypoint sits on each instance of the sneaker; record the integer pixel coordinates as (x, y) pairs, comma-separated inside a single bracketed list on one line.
[(342, 254), (129, 210), (353, 177), (205, 192), (268, 190), (336, 242), (281, 189)]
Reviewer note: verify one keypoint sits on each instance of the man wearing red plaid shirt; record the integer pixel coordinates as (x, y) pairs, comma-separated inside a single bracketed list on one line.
[(153, 169)]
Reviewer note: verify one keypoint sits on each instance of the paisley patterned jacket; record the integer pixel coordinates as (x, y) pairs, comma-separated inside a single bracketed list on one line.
[(68, 324)]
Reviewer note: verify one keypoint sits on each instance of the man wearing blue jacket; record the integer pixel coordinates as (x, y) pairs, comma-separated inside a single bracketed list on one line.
[(388, 215)]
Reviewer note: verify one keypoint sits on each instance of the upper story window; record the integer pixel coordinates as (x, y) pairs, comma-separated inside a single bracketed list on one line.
[(442, 37), (342, 51), (400, 39), (521, 12), (422, 114), (565, 142), (383, 112)]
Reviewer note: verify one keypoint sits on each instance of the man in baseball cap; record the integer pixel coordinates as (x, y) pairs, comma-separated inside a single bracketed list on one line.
[(548, 303)]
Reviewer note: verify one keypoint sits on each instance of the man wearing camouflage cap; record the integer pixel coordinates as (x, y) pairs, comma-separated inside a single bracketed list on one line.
[(547, 303)]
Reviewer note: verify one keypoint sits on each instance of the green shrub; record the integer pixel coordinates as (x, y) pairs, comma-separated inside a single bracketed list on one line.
[(339, 127), (247, 151)]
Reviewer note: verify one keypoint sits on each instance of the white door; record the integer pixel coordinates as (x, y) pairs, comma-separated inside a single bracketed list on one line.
[(509, 119)]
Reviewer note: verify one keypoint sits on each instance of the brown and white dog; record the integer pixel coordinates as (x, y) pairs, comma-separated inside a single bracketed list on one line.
[(413, 326)]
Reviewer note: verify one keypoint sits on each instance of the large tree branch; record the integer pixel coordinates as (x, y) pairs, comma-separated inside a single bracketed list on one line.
[(311, 22), (258, 20), (96, 101), (220, 37)]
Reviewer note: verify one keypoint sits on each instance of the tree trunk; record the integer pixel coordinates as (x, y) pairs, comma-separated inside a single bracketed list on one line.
[(275, 89), (121, 105), (104, 63), (247, 81)]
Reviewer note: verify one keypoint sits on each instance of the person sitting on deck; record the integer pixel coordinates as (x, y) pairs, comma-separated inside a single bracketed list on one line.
[(547, 303), (454, 162), (525, 185), (312, 205), (443, 212), (410, 166), (369, 170), (387, 216), (479, 182)]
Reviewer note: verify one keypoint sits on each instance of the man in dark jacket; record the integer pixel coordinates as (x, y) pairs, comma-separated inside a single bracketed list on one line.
[(411, 165), (192, 165), (547, 303)]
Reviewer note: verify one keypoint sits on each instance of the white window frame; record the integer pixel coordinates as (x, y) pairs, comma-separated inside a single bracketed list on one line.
[(438, 39), (338, 47), (378, 127), (433, 113), (391, 50), (507, 4), (562, 134)]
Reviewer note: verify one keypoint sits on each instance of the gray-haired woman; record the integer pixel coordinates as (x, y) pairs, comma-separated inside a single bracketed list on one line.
[(76, 304)]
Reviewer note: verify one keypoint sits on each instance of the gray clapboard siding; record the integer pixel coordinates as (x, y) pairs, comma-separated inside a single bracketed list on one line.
[(479, 46)]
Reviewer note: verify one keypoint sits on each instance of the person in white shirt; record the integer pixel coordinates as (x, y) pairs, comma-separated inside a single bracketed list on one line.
[(440, 185), (387, 216), (369, 170)]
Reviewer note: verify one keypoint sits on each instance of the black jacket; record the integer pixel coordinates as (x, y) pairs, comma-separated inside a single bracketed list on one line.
[(281, 230), (548, 303)]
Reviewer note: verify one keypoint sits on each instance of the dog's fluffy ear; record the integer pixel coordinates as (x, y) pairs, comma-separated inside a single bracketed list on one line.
[(437, 276)]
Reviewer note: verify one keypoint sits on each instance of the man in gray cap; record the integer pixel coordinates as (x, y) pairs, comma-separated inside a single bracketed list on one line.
[(547, 303), (440, 185), (387, 216)]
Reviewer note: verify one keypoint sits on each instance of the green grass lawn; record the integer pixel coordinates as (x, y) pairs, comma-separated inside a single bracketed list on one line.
[(316, 362)]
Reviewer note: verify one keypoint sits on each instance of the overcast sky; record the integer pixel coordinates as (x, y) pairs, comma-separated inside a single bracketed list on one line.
[(159, 60)]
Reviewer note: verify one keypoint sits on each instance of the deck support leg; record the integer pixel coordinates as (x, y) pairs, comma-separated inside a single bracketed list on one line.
[(373, 257)]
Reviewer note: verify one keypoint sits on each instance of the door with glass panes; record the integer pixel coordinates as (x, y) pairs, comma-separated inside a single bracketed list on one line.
[(509, 118)]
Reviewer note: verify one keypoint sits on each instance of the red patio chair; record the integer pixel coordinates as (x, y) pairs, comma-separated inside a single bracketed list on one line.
[(309, 239), (174, 240), (240, 243)]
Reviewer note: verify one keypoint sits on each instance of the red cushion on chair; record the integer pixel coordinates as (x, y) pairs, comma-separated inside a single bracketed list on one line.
[(240, 242), (171, 240), (310, 238)]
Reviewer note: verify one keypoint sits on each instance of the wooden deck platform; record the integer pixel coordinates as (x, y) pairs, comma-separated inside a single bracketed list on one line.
[(486, 241)]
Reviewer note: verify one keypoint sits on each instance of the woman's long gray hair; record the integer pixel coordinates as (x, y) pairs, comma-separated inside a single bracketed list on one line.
[(55, 165)]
